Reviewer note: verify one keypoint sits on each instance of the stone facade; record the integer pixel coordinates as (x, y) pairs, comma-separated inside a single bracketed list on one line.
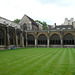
[(28, 34)]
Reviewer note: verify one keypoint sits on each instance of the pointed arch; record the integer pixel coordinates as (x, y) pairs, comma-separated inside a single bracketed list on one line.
[(55, 39), (31, 39), (68, 39), (42, 39)]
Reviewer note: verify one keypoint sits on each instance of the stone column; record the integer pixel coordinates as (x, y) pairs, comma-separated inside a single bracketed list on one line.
[(21, 39), (61, 43), (26, 40), (61, 37), (48, 40), (35, 39), (16, 38), (5, 38), (8, 40)]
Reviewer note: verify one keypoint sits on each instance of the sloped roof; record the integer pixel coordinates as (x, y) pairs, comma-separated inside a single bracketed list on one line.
[(33, 22), (7, 22)]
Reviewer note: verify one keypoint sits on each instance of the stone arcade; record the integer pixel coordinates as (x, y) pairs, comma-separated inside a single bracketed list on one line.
[(28, 33)]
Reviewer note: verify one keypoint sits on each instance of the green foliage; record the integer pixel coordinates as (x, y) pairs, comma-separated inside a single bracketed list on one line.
[(43, 23), (17, 21)]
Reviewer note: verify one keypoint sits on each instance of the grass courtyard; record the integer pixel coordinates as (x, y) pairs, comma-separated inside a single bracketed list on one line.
[(38, 61)]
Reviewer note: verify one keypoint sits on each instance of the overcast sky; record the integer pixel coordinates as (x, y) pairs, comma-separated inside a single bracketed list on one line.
[(50, 11)]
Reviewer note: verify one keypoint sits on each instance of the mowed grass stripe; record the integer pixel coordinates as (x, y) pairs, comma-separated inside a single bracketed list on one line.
[(30, 54), (63, 68), (73, 53), (71, 62), (24, 62), (16, 55), (45, 66), (56, 70), (30, 60), (38, 61), (36, 64), (22, 53)]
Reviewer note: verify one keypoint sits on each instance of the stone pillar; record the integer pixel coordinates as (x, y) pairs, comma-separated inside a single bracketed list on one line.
[(8, 40), (48, 40), (16, 38), (61, 43), (21, 39), (5, 38), (35, 39), (26, 40), (61, 37)]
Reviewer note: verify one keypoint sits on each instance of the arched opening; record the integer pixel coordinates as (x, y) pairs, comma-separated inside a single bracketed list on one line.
[(68, 39), (42, 39), (1, 37), (31, 39), (55, 40), (11, 38)]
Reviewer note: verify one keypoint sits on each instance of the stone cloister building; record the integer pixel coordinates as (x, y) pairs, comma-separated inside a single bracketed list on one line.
[(28, 34)]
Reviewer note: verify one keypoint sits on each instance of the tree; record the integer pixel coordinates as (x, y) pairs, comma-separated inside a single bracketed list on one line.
[(38, 21), (17, 21), (43, 23)]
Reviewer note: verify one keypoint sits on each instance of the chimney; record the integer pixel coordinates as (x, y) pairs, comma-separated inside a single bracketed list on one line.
[(55, 24)]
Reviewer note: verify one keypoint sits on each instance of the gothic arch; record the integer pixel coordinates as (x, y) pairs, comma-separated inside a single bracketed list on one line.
[(68, 39), (42, 39), (55, 39), (31, 39), (1, 37), (43, 34)]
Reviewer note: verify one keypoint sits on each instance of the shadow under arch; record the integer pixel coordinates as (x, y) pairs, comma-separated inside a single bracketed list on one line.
[(68, 39), (31, 39), (2, 37), (42, 39), (55, 39)]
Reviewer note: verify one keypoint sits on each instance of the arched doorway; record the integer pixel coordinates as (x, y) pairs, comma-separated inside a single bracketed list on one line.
[(68, 39), (55, 39), (42, 39), (1, 37), (31, 39)]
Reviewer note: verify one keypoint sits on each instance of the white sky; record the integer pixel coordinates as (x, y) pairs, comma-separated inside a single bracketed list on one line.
[(50, 11)]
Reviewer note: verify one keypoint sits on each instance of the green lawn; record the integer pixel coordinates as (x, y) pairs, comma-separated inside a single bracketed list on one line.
[(38, 61)]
